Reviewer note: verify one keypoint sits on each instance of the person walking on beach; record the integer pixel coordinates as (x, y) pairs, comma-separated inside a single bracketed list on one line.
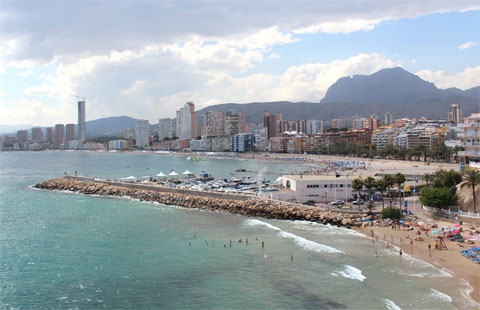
[(400, 252), (429, 247)]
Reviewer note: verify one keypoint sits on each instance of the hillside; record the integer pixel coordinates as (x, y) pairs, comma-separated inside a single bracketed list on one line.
[(389, 90)]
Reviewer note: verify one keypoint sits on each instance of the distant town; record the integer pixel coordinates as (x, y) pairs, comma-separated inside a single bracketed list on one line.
[(454, 139)]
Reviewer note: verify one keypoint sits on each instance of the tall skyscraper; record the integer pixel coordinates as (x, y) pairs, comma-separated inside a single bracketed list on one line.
[(164, 128), (142, 133), (70, 132), (187, 122), (49, 135), (215, 123), (22, 136), (82, 130), (59, 135), (270, 124), (37, 134), (234, 123), (388, 118), (314, 127), (455, 114)]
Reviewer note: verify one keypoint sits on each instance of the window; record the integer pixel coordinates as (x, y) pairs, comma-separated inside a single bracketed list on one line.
[(326, 185)]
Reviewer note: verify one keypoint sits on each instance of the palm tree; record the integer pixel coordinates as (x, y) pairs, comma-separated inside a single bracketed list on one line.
[(428, 178), (381, 186), (357, 185), (389, 182), (471, 178), (369, 184), (399, 180)]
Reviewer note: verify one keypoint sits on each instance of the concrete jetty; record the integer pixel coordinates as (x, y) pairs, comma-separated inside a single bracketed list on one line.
[(237, 204)]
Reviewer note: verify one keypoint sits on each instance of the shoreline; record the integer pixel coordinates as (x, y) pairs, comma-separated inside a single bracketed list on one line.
[(450, 259)]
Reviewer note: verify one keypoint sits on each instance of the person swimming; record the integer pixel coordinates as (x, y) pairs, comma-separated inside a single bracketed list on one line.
[(375, 254)]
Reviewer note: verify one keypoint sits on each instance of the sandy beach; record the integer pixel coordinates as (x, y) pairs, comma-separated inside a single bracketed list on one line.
[(450, 258)]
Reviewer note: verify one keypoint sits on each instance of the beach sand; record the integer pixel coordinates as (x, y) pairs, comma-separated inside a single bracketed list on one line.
[(449, 258)]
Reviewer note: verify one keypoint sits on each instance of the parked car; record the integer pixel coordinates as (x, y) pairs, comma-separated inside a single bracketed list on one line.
[(309, 203), (358, 202), (337, 203)]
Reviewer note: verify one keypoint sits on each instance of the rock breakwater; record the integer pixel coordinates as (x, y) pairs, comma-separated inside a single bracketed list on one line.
[(257, 207)]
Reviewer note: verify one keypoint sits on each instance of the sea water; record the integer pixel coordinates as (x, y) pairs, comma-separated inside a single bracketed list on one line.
[(60, 250)]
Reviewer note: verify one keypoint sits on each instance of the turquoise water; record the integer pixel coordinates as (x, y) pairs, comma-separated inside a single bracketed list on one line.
[(70, 251)]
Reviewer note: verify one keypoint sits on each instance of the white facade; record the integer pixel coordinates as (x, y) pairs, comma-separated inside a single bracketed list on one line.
[(164, 128), (187, 122), (314, 127), (142, 133), (319, 188), (82, 130), (116, 144)]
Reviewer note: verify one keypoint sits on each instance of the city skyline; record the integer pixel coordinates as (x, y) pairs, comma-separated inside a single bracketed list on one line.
[(232, 52)]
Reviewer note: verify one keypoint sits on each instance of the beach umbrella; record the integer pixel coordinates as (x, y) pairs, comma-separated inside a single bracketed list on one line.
[(186, 172), (421, 223), (457, 225), (173, 173), (161, 174), (366, 220), (455, 231), (435, 232), (401, 221), (468, 237)]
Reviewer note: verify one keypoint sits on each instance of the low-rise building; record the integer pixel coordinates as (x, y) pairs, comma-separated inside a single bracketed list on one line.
[(319, 188)]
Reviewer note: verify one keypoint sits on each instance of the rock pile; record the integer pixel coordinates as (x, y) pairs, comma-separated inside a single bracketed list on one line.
[(253, 207)]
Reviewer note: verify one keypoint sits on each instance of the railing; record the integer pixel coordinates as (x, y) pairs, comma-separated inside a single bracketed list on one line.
[(449, 212)]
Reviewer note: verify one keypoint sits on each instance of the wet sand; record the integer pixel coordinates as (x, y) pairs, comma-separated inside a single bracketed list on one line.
[(449, 258)]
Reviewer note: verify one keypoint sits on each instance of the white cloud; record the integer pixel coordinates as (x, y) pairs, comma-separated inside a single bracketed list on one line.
[(2, 93), (466, 45), (350, 25), (466, 79), (273, 56), (26, 73)]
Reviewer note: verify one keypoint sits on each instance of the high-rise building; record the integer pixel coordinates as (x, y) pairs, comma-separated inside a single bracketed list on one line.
[(243, 142), (314, 127), (234, 123), (70, 132), (22, 136), (455, 114), (164, 128), (214, 122), (388, 118), (187, 122), (49, 135), (270, 124), (338, 123), (37, 134), (59, 135), (372, 123), (142, 133), (82, 130)]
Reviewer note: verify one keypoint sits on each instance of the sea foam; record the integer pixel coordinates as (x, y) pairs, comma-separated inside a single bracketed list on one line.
[(439, 296), (391, 305), (304, 243), (350, 272)]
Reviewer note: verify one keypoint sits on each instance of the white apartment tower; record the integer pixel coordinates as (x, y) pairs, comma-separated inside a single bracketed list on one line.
[(455, 114), (142, 133), (164, 128), (187, 122), (314, 127), (82, 130)]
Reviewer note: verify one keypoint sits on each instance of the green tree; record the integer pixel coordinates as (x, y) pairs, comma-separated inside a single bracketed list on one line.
[(369, 184), (357, 185), (427, 177), (399, 180), (471, 178), (381, 187), (438, 197), (391, 212), (389, 182)]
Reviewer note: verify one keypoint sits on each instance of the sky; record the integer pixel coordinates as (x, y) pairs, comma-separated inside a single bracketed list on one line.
[(145, 59)]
